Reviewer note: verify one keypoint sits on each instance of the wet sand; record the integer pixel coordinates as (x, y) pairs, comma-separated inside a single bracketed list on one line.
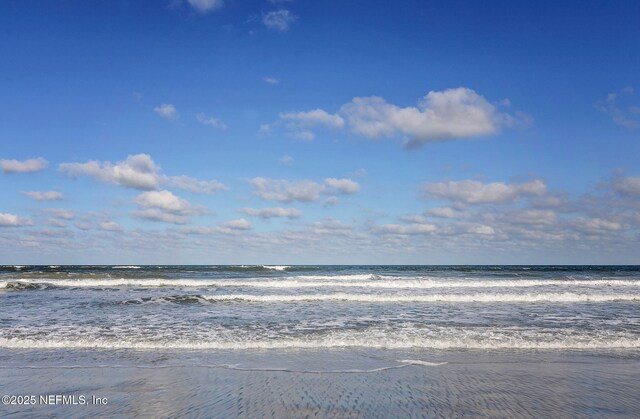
[(333, 384)]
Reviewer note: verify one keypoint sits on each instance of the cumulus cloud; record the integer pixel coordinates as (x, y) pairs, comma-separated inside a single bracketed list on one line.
[(44, 196), (164, 206), (279, 20), (411, 229), (109, 226), (11, 220), (532, 216), (210, 121), (331, 201), (206, 6), (481, 229), (232, 227), (627, 116), (286, 191), (194, 185), (313, 118), (596, 225), (345, 186), (628, 186), (24, 166), (167, 111), (475, 192), (299, 124), (61, 213), (276, 212), (440, 115), (138, 172), (443, 212), (302, 191), (163, 200), (452, 113), (239, 224)]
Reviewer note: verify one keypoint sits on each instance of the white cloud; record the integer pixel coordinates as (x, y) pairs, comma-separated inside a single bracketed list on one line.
[(163, 206), (239, 224), (276, 212), (481, 229), (232, 227), (285, 191), (155, 214), (167, 111), (331, 226), (345, 186), (53, 222), (11, 220), (286, 160), (279, 20), (109, 226), (271, 80), (163, 200), (138, 172), (532, 216), (210, 121), (413, 218), (331, 201), (628, 186), (194, 185), (61, 213), (440, 115), (44, 196), (596, 225), (452, 113), (84, 225), (24, 166), (444, 212), (313, 118), (303, 135), (627, 118), (302, 191), (474, 192), (411, 229), (206, 6)]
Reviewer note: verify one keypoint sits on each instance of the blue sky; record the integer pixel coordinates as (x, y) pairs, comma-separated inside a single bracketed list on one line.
[(229, 131)]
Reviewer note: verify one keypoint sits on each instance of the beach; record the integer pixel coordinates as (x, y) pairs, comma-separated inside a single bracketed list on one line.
[(340, 383)]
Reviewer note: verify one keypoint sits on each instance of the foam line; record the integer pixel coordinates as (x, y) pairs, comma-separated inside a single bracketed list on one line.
[(304, 282), (391, 341), (453, 298)]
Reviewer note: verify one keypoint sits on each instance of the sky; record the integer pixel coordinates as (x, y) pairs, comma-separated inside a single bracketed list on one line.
[(300, 132)]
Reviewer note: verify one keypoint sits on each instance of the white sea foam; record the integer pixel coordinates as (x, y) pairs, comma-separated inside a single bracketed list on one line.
[(419, 362), (276, 267), (127, 267), (450, 298), (388, 341), (313, 282)]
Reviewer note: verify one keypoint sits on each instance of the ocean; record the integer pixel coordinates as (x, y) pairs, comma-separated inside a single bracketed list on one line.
[(331, 321)]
